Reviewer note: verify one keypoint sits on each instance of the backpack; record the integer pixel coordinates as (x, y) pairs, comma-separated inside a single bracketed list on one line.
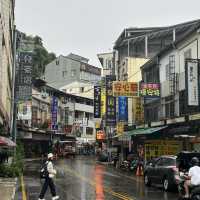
[(43, 171)]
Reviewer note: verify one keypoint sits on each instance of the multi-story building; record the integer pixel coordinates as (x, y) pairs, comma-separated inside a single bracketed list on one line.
[(74, 117), (136, 45), (168, 68), (6, 63), (81, 88), (67, 69), (106, 60)]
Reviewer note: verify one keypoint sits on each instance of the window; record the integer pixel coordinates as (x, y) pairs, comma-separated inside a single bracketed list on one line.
[(73, 72), (188, 54), (159, 162), (57, 62), (169, 162), (64, 73), (169, 109), (82, 89), (167, 71), (89, 131)]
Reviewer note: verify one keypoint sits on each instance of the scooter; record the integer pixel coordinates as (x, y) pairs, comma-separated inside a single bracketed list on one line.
[(194, 191), (125, 165)]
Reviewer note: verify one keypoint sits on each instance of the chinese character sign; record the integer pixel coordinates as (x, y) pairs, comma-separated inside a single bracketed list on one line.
[(138, 111), (123, 88), (192, 82), (110, 101), (120, 128), (54, 111), (150, 90), (103, 101), (97, 101), (101, 135), (24, 76), (123, 108)]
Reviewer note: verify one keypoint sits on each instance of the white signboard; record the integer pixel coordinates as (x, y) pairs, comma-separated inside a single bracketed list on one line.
[(25, 111), (192, 74)]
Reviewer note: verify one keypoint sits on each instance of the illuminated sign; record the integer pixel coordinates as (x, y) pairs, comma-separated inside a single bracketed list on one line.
[(101, 135), (123, 108), (123, 88), (97, 101), (110, 102), (150, 90)]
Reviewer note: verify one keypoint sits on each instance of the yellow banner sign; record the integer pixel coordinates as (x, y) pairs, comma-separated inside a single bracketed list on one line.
[(120, 128), (103, 101), (123, 88)]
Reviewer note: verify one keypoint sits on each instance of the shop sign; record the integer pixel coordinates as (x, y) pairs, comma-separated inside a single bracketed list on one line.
[(25, 110), (85, 121), (138, 111), (24, 76), (110, 102), (192, 82), (54, 112), (123, 88), (97, 101), (101, 135), (176, 120), (123, 108), (194, 117), (150, 90), (103, 101), (120, 128)]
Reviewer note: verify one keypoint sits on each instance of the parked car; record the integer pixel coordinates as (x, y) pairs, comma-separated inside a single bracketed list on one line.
[(161, 171)]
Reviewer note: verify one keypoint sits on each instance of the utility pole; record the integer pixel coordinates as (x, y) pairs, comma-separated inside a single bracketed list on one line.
[(13, 97)]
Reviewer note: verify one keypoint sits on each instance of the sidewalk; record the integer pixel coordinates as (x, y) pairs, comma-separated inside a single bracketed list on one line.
[(7, 188)]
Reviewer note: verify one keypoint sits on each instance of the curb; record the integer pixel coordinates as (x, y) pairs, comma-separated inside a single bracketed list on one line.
[(14, 190)]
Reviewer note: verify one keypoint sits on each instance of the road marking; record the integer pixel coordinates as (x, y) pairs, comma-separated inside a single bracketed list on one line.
[(93, 183), (23, 188)]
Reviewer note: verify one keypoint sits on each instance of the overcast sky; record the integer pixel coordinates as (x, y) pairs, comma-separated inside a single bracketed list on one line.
[(88, 27)]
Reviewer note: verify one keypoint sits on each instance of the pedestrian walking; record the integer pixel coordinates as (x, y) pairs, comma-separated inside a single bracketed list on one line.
[(48, 175)]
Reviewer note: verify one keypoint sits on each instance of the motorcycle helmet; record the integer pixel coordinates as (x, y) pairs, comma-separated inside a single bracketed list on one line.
[(195, 161)]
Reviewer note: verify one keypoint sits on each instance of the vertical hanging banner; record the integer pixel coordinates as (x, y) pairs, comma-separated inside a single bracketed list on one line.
[(123, 108), (103, 101), (24, 76), (97, 101), (54, 112), (110, 102), (192, 82)]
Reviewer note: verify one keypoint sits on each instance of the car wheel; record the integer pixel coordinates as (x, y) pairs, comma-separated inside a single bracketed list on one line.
[(147, 181), (166, 184)]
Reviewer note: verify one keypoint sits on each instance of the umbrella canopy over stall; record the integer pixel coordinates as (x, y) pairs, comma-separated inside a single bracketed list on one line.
[(6, 142)]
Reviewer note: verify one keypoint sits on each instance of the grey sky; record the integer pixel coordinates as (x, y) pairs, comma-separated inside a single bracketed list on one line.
[(88, 27)]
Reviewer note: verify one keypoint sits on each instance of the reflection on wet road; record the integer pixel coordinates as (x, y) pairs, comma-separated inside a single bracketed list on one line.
[(84, 179)]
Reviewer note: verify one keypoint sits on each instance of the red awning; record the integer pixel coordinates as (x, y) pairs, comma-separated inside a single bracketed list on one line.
[(6, 142)]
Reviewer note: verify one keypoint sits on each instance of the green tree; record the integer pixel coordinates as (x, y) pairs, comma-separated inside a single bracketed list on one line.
[(41, 55)]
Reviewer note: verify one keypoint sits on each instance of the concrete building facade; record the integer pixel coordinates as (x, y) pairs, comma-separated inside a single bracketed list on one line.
[(67, 69), (106, 60), (6, 62), (169, 70)]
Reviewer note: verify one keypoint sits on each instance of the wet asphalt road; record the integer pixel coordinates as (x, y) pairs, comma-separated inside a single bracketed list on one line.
[(85, 179)]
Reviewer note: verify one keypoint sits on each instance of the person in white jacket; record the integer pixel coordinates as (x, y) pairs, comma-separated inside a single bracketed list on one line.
[(49, 179)]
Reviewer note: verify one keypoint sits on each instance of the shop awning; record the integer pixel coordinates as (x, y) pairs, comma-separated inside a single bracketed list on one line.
[(144, 131), (141, 131), (6, 142)]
